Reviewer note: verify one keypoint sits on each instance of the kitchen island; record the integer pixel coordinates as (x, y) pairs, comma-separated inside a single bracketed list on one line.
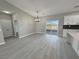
[(73, 39)]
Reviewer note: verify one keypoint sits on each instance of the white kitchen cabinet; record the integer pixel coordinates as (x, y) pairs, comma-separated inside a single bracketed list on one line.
[(78, 49), (75, 44), (65, 33), (66, 21), (74, 41), (71, 20), (69, 38), (76, 19)]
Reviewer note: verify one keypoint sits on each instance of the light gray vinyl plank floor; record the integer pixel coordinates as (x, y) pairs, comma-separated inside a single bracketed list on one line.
[(37, 46)]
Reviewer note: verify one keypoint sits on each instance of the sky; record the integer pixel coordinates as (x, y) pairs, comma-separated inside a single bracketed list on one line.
[(52, 21)]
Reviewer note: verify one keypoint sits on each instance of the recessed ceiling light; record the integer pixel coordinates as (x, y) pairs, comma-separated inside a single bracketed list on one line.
[(7, 12)]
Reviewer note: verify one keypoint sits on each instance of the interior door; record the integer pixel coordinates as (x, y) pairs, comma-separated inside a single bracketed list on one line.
[(6, 23)]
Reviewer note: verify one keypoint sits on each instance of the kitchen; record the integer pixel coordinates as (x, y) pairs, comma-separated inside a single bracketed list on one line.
[(71, 31)]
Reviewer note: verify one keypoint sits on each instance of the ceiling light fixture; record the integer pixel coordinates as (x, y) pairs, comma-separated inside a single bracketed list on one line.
[(7, 12), (36, 19)]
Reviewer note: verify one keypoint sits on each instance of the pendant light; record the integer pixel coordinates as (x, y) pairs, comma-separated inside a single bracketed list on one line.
[(37, 18)]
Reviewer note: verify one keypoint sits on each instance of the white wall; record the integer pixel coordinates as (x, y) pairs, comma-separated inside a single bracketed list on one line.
[(25, 22), (1, 36), (41, 26)]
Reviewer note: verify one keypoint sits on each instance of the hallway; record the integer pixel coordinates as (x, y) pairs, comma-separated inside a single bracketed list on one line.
[(37, 46)]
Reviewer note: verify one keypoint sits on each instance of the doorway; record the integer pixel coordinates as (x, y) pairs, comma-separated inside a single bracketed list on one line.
[(7, 25), (52, 26)]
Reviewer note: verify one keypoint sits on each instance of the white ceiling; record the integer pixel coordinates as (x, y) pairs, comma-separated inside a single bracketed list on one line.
[(46, 7)]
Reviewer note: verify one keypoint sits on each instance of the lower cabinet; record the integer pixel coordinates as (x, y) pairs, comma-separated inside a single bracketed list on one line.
[(78, 49), (69, 38), (74, 42), (65, 33)]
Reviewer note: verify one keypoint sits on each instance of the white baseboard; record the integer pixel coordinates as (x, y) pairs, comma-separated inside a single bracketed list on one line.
[(26, 35), (30, 34), (1, 43), (41, 32)]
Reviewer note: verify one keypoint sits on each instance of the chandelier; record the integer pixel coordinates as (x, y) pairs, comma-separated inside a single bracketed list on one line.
[(36, 19)]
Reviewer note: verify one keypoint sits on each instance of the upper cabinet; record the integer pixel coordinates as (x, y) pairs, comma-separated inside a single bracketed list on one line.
[(65, 20), (71, 20)]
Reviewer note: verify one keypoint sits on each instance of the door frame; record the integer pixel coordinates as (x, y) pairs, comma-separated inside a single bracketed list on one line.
[(12, 21), (58, 25)]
